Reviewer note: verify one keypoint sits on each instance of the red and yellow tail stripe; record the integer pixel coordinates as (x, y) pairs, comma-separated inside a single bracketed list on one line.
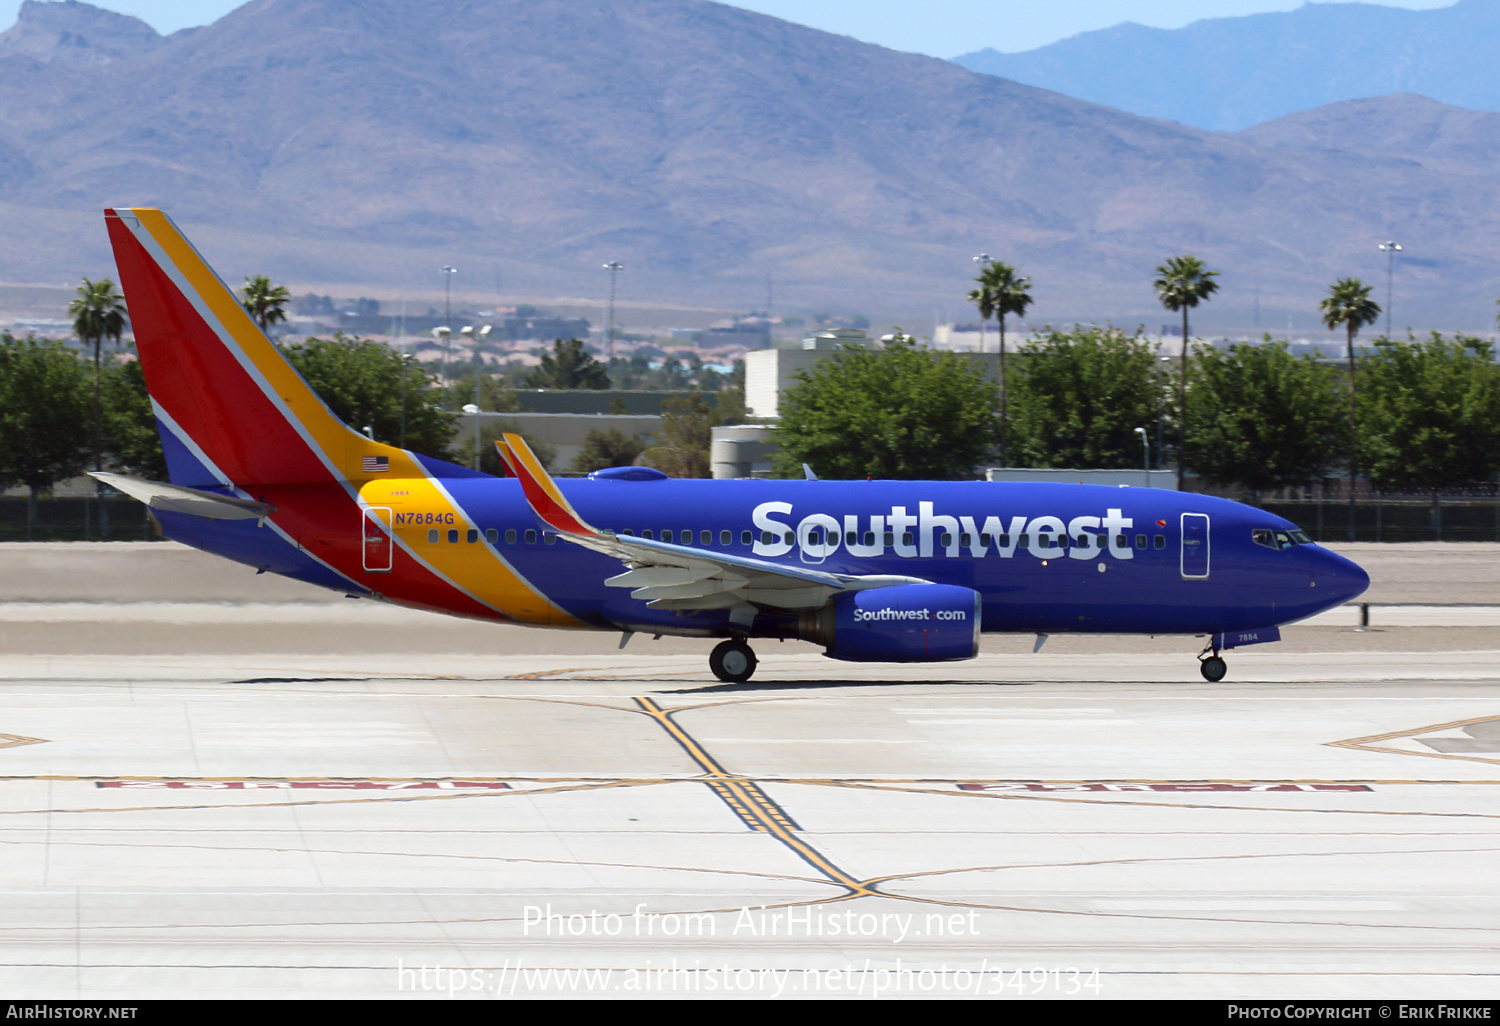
[(234, 400), (547, 500)]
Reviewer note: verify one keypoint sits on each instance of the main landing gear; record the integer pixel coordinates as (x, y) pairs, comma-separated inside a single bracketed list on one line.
[(1212, 667), (733, 661)]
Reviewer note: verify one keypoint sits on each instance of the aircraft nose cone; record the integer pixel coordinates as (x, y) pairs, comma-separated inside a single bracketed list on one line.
[(1339, 579)]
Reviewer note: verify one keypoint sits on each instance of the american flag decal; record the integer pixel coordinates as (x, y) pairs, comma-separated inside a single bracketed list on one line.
[(377, 464)]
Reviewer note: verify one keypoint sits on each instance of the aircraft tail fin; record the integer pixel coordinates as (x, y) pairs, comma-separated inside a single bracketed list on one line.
[(229, 406)]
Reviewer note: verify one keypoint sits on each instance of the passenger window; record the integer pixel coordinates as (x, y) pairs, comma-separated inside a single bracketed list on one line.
[(746, 538), (646, 534), (1082, 541), (452, 536), (907, 538), (986, 541), (472, 536), (549, 537), (1023, 542), (492, 536), (1004, 540), (789, 538), (531, 536), (1140, 541), (964, 540), (767, 538), (705, 537), (726, 538), (1121, 542), (1161, 541), (628, 533), (869, 538), (510, 536), (850, 537), (890, 538), (432, 536), (666, 535), (945, 540)]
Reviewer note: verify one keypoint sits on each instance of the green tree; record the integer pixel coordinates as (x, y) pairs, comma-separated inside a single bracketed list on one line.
[(44, 416), (569, 365), (98, 313), (1078, 396), (983, 299), (681, 447), (1181, 284), (1430, 415), (1261, 417), (364, 381), (490, 431), (1349, 304), (899, 412), (131, 436), (265, 302), (1011, 295), (730, 405), (608, 448)]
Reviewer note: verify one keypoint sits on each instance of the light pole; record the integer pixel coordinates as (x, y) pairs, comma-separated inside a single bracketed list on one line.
[(405, 363), (448, 273), (983, 260), (1159, 363), (1145, 454), (442, 335), (479, 339), (614, 267), (1390, 249)]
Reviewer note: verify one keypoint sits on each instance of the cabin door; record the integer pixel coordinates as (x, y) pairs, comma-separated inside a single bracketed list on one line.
[(379, 549), (1194, 546)]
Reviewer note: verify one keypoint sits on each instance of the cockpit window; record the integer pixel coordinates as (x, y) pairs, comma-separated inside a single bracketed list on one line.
[(1279, 539)]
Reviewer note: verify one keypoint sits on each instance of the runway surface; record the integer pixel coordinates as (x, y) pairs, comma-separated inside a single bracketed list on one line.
[(408, 806)]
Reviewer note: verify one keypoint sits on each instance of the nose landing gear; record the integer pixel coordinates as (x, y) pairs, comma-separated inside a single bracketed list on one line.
[(733, 661)]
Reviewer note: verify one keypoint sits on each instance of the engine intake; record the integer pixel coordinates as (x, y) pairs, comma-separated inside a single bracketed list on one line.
[(906, 623)]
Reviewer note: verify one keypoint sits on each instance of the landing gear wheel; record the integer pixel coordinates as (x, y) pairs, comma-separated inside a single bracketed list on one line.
[(733, 662), (1213, 669)]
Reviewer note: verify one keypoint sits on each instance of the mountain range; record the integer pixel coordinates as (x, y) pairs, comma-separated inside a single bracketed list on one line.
[(366, 143), (1228, 74)]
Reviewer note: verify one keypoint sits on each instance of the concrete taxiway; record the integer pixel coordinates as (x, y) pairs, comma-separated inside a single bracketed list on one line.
[(218, 785)]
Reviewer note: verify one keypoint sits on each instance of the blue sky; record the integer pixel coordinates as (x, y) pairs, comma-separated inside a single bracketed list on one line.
[(942, 28)]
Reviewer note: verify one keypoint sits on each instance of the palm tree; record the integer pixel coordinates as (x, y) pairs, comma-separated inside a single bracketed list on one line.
[(1349, 304), (98, 313), (1181, 284), (265, 302), (983, 298), (1010, 295)]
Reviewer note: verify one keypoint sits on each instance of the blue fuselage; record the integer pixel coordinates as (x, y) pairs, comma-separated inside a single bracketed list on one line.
[(1044, 557)]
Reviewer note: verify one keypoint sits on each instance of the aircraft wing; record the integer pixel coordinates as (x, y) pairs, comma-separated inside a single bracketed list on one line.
[(177, 499), (668, 576)]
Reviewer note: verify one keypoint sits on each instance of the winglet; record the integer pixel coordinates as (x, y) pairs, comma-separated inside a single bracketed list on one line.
[(546, 499)]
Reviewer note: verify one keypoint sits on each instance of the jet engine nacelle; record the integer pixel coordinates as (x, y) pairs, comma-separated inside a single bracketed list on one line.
[(906, 623)]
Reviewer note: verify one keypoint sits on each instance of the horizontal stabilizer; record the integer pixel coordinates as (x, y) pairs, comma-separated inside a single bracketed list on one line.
[(170, 498)]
